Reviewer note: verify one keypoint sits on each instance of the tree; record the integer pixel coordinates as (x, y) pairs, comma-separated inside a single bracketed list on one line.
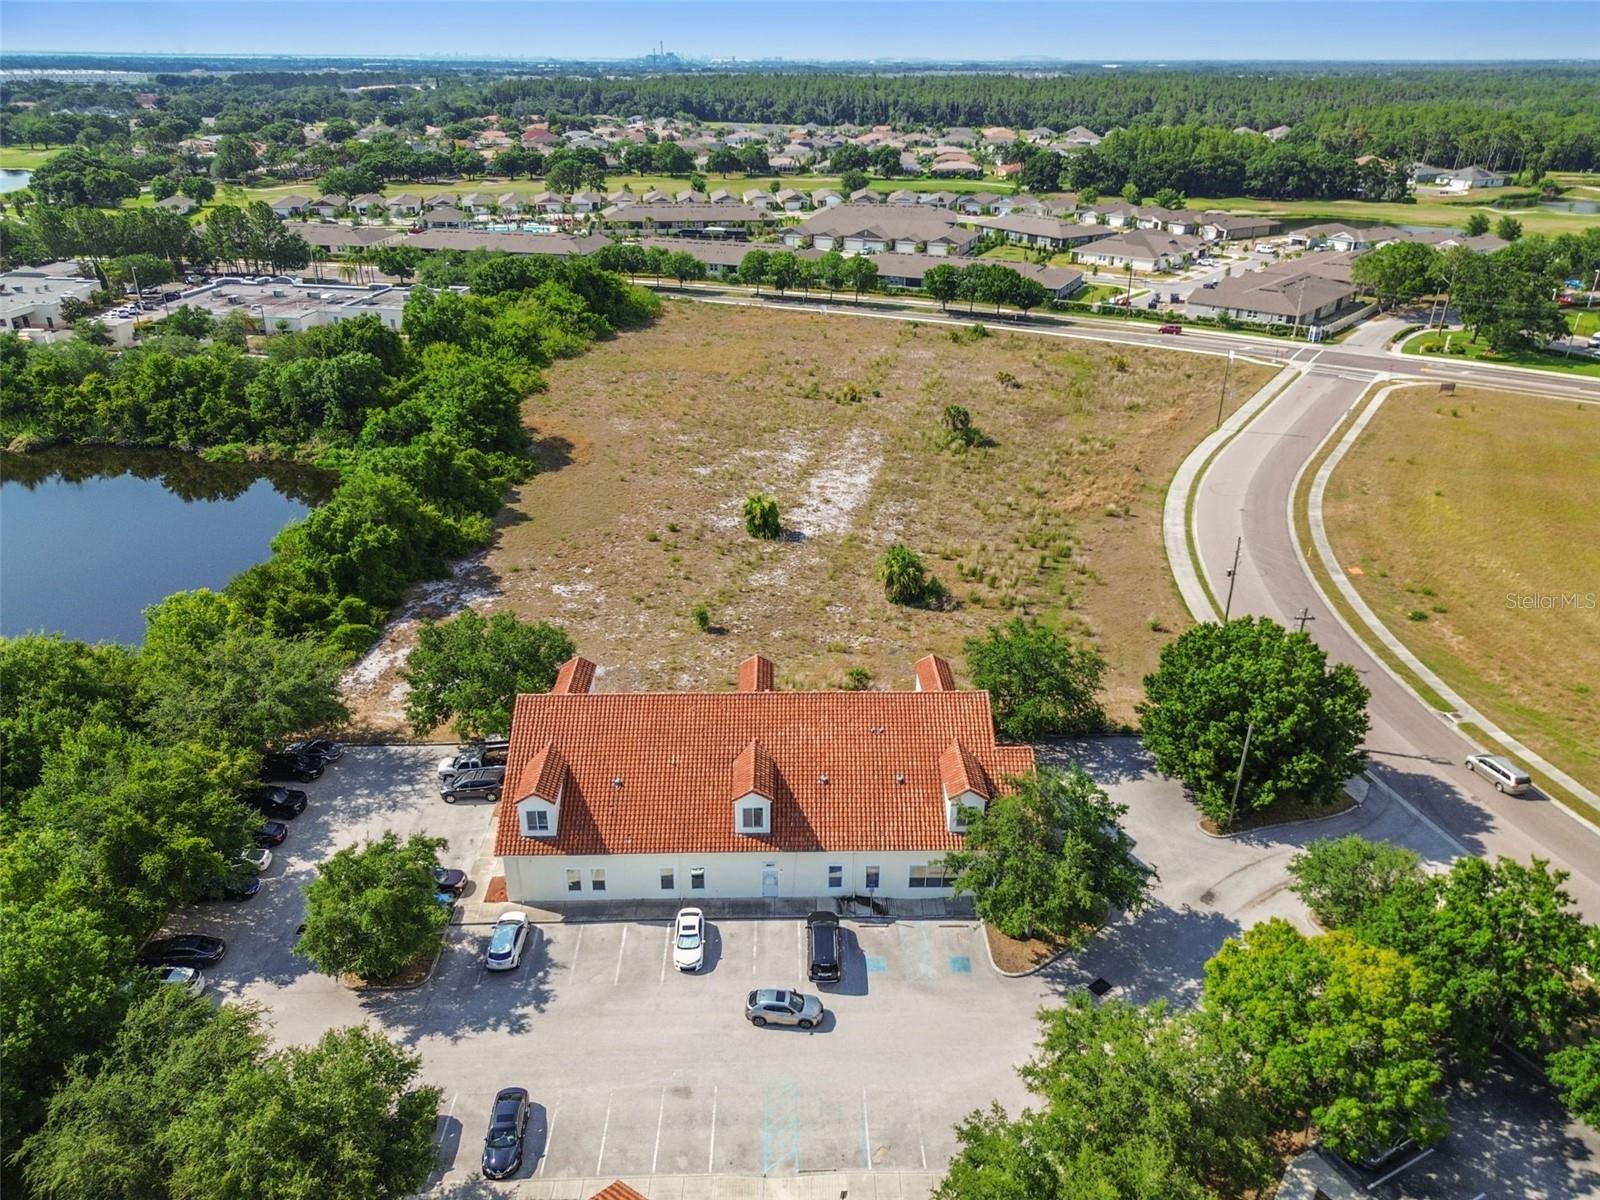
[(853, 181), (1341, 879), (848, 157), (198, 188), (1342, 1033), (722, 160), (1041, 685), (1170, 198), (1400, 271), (1131, 194), (163, 186), (1216, 683), (905, 579), (1041, 172), (108, 1129), (1048, 857), (1508, 229), (1477, 225), (861, 274), (942, 283), (1508, 953), (349, 1107), (210, 678), (472, 668), (761, 516), (51, 687), (673, 159), (1575, 1071), (886, 161), (753, 159), (93, 332), (399, 261), (639, 158), (371, 911), (753, 268), (235, 157)]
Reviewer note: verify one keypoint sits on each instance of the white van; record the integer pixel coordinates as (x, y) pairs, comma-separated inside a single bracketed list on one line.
[(1502, 772)]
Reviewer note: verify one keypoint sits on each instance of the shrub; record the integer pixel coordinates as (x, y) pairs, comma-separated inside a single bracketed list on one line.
[(857, 679), (957, 427), (702, 617), (905, 578), (761, 516)]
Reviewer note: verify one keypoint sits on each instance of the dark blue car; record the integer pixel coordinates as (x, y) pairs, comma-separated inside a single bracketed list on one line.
[(508, 1128)]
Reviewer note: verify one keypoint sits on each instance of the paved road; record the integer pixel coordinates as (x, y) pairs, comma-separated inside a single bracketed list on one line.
[(1246, 493)]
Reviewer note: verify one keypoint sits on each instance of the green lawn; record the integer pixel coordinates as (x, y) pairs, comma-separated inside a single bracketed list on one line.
[(24, 158), (1428, 210), (1583, 321), (1478, 351)]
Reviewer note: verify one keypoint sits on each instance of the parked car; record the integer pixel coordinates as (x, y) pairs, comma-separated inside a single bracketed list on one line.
[(777, 1006), (824, 952), (508, 1129), (277, 764), (183, 950), (507, 942), (482, 784), (320, 749), (232, 887), (1210, 283), (483, 755), (256, 860), (272, 834), (189, 979), (449, 879), (1174, 298), (279, 803), (1170, 329), (1500, 771), (689, 940)]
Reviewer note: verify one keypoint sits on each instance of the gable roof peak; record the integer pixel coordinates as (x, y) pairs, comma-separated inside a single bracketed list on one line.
[(575, 677), (754, 773), (756, 674), (934, 675)]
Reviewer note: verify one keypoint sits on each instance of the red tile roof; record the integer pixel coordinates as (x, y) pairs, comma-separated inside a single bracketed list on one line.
[(541, 776), (848, 770), (618, 1191), (934, 675), (958, 772), (575, 677), (753, 773), (755, 674)]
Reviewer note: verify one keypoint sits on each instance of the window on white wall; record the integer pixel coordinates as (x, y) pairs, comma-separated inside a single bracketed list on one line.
[(872, 878), (697, 879), (836, 877), (597, 880), (535, 820), (667, 883), (930, 876), (574, 881), (752, 817)]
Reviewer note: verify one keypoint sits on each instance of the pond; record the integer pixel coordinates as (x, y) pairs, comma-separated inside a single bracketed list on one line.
[(14, 181), (89, 538)]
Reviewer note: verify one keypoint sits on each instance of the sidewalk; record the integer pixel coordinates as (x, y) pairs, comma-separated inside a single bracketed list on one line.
[(475, 911), (851, 1185)]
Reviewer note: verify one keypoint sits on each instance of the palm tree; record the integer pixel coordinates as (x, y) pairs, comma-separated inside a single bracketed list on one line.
[(348, 269), (319, 255)]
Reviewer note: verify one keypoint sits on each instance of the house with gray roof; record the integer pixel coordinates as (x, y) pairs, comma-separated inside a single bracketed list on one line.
[(1142, 250), (1282, 294), (1046, 233)]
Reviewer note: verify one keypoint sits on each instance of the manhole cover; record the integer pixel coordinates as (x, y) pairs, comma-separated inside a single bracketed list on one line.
[(1099, 987), (1208, 897)]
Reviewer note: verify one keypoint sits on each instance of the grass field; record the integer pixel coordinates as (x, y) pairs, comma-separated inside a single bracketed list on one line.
[(1476, 511), (653, 440), (25, 158), (1544, 360), (1428, 210)]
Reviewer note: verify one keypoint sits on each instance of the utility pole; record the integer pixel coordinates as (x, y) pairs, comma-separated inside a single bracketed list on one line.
[(1222, 400), (1233, 805), (1233, 573), (1302, 619)]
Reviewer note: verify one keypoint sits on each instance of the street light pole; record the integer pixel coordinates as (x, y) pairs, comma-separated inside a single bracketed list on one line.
[(1233, 573), (1238, 782)]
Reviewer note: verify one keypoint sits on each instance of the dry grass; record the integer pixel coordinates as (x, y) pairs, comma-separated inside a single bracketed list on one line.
[(1456, 507), (652, 441), (1014, 955)]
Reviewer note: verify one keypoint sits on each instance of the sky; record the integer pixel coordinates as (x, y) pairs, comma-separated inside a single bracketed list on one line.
[(1082, 31)]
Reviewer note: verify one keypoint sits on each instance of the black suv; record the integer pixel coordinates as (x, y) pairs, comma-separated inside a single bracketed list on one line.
[(279, 803), (826, 953), (286, 765), (183, 950)]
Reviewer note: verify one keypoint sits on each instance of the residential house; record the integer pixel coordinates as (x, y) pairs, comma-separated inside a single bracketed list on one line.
[(509, 204), (559, 245), (721, 256), (587, 202), (715, 219), (1421, 173), (476, 203), (328, 206), (690, 196), (1226, 227), (902, 196), (908, 270), (974, 204), (859, 229), (866, 196), (1465, 178), (1333, 235), (341, 239), (549, 204), (1046, 233), (1079, 137), (1277, 133), (404, 205), (367, 201), (690, 796), (956, 168), (1142, 250), (1009, 170), (180, 204), (291, 206), (1283, 294), (445, 217), (440, 200), (1184, 222), (790, 200), (826, 198), (656, 196), (936, 199)]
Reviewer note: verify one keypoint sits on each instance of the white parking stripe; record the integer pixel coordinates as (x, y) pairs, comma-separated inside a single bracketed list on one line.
[(711, 1155), (800, 952), (922, 1146), (616, 977), (549, 1136), (755, 948), (576, 946), (1402, 1167), (604, 1129), (661, 1114), (666, 949), (444, 1128), (866, 1130)]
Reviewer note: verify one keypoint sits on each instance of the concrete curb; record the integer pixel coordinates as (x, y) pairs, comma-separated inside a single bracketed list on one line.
[(1350, 790), (988, 951), (1376, 629), (819, 1185)]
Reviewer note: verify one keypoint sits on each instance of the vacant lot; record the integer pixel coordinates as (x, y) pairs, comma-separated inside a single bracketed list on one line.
[(1476, 513), (652, 441)]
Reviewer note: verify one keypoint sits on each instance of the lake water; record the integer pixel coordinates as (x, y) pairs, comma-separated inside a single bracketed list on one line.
[(14, 181), (89, 538)]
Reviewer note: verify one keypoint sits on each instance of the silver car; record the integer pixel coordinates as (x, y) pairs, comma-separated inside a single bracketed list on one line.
[(1501, 772), (775, 1006)]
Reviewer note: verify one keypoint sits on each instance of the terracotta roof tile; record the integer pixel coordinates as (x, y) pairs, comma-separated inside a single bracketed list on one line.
[(541, 776), (618, 1191), (933, 675), (958, 772), (879, 751), (755, 674), (575, 677), (753, 773)]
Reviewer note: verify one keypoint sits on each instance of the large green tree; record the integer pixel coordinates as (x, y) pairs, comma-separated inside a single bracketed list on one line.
[(472, 668), (1342, 879), (1342, 1033), (1048, 857), (1399, 272), (371, 911), (343, 1119), (1216, 684), (1041, 684)]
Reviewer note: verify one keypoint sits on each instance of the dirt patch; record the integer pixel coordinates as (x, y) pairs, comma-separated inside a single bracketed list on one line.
[(1014, 955), (1285, 812), (496, 893), (650, 442)]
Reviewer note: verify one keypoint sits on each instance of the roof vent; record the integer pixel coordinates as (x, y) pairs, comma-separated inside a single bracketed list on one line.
[(822, 780), (616, 782), (900, 778)]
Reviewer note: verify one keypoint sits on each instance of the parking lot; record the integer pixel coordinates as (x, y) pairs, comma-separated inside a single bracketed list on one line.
[(636, 1070)]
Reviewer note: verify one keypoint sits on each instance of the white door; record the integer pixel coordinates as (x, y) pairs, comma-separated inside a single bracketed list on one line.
[(769, 883)]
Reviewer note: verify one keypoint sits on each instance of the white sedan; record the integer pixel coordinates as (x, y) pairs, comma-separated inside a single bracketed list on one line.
[(689, 940)]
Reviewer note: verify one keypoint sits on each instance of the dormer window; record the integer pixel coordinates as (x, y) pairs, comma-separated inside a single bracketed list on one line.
[(753, 818), (754, 786), (960, 813), (536, 822)]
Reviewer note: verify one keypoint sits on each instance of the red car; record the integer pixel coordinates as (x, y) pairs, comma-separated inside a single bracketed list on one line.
[(1170, 329)]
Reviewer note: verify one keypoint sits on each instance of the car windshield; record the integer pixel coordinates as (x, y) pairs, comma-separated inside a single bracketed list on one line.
[(688, 939), (504, 936), (501, 1138), (797, 1002)]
